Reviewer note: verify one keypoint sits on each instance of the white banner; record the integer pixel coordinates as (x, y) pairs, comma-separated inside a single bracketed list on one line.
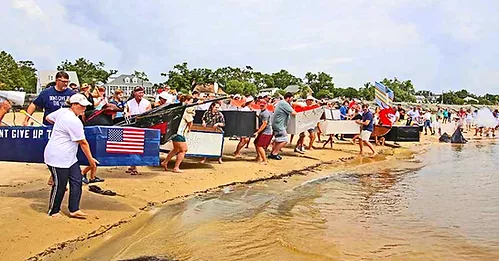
[(339, 127), (202, 144), (304, 120)]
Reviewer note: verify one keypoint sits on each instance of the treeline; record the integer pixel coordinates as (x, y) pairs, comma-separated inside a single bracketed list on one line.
[(246, 80)]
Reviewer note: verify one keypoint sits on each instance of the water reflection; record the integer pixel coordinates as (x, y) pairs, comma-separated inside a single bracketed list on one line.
[(442, 205)]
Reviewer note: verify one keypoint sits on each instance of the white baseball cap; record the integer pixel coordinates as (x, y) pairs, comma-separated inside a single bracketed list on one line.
[(80, 99), (310, 98), (164, 95)]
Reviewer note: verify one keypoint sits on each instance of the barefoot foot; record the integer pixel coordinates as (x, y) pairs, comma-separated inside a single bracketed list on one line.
[(78, 214), (56, 215), (165, 165), (177, 170)]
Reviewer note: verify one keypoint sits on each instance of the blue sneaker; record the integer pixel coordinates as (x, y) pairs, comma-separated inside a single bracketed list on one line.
[(84, 179)]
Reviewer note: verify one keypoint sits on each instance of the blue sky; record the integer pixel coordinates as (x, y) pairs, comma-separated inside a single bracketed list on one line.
[(439, 45)]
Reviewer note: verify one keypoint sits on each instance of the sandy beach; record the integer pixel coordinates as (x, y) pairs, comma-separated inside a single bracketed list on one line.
[(28, 233)]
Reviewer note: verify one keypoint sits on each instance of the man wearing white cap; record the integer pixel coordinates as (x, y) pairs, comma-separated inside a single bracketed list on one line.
[(164, 98), (60, 155)]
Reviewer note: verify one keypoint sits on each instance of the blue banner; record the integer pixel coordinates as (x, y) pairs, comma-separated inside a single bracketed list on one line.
[(111, 146)]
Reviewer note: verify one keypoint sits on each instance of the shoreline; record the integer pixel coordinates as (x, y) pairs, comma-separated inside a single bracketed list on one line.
[(148, 210), (31, 234)]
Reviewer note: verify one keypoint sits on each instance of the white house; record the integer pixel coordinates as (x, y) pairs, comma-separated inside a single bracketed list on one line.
[(268, 91), (420, 99), (128, 82), (48, 76)]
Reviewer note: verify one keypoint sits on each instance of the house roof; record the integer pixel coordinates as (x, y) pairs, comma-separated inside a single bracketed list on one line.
[(120, 81), (292, 89), (295, 88), (208, 88)]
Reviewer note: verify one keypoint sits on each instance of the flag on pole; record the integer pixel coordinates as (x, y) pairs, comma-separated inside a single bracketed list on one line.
[(383, 95)]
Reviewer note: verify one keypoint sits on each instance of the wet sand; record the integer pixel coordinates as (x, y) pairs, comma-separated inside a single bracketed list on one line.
[(29, 233)]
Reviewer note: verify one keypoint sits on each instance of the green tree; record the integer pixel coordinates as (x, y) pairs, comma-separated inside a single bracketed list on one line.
[(16, 75), (9, 72), (367, 92), (463, 94), (234, 87), (424, 93), (179, 77), (283, 79), (87, 71), (349, 92), (323, 94), (28, 77), (403, 91), (249, 88), (319, 81)]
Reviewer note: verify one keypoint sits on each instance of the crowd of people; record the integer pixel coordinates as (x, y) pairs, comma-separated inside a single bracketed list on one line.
[(271, 136)]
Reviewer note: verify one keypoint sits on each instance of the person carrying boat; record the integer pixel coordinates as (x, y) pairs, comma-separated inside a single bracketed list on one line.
[(367, 124), (283, 110), (179, 140), (60, 155), (51, 99), (136, 106)]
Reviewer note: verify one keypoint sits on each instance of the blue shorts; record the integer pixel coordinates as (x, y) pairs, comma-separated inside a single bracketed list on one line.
[(178, 138)]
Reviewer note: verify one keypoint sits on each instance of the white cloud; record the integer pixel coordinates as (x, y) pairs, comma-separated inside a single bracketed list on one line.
[(29, 6)]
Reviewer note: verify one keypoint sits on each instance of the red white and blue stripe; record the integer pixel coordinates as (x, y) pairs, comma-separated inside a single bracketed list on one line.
[(383, 95)]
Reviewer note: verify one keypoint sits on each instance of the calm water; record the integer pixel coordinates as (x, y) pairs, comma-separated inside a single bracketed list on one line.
[(440, 205)]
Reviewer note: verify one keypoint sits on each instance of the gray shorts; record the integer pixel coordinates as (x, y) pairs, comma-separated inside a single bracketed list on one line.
[(281, 136)]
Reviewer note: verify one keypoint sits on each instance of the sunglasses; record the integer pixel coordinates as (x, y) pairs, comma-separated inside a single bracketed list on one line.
[(63, 81)]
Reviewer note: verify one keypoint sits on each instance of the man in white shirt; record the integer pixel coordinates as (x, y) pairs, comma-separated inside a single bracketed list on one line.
[(60, 155), (136, 106)]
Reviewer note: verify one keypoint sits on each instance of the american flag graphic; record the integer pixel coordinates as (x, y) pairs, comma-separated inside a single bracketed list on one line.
[(125, 141)]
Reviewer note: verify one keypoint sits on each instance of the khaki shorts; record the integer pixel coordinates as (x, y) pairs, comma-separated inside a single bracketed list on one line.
[(365, 135)]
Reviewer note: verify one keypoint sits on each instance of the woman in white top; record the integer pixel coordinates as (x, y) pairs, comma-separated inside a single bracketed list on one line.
[(60, 155), (136, 105), (179, 139)]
